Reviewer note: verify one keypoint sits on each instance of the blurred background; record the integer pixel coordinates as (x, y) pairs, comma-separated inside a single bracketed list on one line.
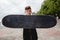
[(40, 7)]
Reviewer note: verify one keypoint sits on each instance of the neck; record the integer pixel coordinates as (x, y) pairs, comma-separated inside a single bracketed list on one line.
[(28, 14)]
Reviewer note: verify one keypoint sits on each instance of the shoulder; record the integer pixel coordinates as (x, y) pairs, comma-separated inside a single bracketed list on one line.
[(33, 13)]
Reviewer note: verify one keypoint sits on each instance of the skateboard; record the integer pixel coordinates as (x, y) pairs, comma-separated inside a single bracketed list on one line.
[(29, 22)]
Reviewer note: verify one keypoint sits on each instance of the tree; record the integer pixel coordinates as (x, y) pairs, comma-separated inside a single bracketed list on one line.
[(50, 7)]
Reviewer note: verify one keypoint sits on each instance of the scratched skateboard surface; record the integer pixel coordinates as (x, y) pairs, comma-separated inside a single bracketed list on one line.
[(31, 21)]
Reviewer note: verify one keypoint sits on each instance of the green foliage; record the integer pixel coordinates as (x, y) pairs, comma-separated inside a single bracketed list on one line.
[(50, 7)]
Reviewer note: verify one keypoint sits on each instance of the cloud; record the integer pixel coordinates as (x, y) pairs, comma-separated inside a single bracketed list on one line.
[(17, 6)]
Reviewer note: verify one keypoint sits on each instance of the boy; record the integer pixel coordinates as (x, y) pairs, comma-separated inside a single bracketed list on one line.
[(29, 34)]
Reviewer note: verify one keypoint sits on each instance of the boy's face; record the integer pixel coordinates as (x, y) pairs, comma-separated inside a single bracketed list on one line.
[(28, 12)]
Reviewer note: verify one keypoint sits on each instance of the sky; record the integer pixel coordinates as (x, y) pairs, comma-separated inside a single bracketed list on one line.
[(8, 7)]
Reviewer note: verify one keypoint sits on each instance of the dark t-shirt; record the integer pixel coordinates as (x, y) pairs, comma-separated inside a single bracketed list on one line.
[(28, 33)]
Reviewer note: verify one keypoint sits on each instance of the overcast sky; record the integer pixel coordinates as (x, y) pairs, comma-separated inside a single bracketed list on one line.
[(8, 7)]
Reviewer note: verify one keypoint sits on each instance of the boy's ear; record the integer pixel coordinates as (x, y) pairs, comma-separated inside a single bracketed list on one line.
[(25, 11)]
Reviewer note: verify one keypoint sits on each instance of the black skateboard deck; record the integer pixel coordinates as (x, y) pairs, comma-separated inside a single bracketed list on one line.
[(31, 21)]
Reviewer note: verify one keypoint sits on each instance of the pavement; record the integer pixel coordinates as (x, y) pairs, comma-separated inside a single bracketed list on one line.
[(43, 34)]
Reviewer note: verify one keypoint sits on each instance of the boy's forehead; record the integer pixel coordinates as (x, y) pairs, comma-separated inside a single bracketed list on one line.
[(28, 10)]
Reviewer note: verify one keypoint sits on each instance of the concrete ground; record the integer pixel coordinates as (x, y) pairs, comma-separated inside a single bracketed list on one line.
[(43, 34)]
